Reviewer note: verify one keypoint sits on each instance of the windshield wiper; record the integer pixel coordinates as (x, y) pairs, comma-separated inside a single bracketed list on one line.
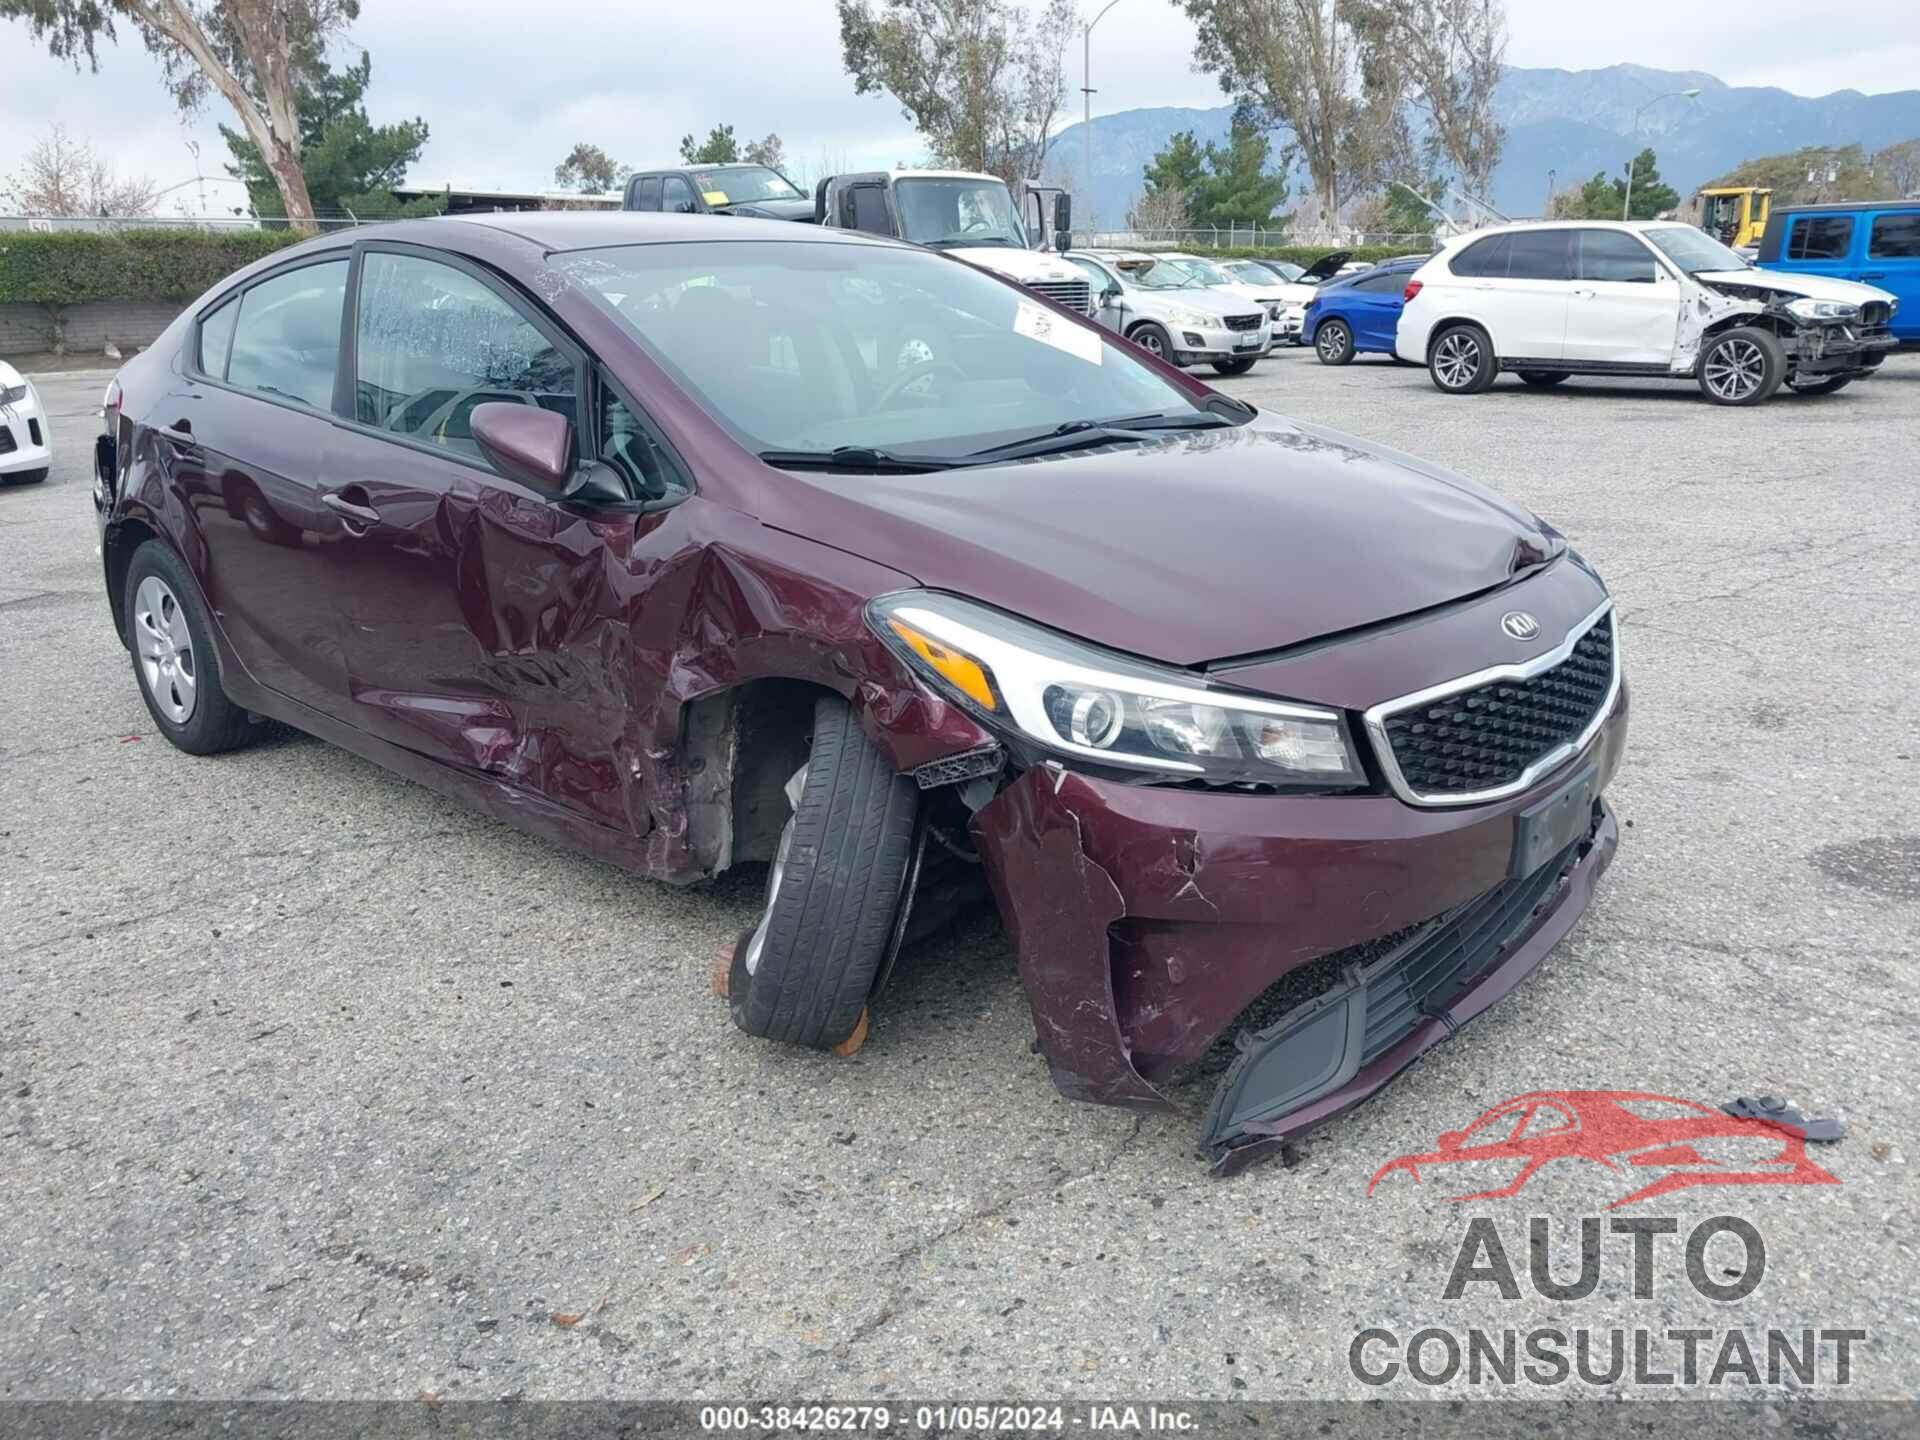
[(858, 457), (1085, 434)]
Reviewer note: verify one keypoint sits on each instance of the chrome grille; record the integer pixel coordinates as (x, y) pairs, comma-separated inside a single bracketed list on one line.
[(1074, 294), (1243, 322)]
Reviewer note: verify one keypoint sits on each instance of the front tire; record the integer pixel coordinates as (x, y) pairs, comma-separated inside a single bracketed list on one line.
[(1742, 366), (1235, 367), (1333, 343), (1154, 340), (803, 974), (173, 656), (1461, 360)]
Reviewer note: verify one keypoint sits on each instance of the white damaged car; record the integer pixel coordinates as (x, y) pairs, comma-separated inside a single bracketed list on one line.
[(1591, 297), (25, 453)]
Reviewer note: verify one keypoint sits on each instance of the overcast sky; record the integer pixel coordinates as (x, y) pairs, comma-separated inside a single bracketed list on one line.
[(506, 100)]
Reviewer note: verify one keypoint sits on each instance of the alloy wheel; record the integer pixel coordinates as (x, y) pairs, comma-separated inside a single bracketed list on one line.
[(166, 649), (1457, 360), (1331, 341), (1736, 369), (1150, 343)]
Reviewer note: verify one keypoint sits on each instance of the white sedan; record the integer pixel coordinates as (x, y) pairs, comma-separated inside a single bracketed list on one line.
[(24, 452)]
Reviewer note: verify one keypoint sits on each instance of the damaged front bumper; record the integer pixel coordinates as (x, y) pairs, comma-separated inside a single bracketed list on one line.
[(1146, 920), (1839, 349)]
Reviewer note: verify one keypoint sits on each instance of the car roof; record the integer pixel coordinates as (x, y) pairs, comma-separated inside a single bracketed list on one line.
[(1844, 206), (556, 230)]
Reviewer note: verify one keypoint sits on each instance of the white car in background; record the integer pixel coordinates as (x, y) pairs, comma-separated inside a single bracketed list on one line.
[(1297, 287), (1268, 295), (25, 452), (1607, 297), (1167, 311)]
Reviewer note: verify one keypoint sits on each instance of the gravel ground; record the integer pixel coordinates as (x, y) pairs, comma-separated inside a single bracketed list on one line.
[(313, 1084)]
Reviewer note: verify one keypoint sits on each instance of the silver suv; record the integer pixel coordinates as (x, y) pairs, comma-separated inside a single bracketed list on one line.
[(1168, 311)]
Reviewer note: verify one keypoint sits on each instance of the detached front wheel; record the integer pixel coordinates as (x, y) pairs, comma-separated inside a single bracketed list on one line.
[(804, 972)]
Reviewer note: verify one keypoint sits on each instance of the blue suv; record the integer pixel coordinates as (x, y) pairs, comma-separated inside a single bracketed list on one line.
[(1876, 242), (1359, 312)]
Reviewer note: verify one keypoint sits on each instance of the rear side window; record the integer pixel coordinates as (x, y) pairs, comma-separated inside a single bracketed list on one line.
[(216, 339), (1539, 255), (1614, 255), (646, 195), (1394, 280), (434, 343), (1820, 237), (1895, 237), (286, 342), (676, 196), (1483, 259)]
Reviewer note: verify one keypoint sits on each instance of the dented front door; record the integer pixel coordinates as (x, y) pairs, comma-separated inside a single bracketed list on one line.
[(482, 626)]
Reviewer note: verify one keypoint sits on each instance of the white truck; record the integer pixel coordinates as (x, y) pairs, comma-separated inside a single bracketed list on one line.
[(968, 215)]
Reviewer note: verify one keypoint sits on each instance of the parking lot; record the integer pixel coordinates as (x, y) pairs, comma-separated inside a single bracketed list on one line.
[(315, 1084)]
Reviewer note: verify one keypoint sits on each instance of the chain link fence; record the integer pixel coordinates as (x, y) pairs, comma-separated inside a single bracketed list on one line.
[(1254, 237)]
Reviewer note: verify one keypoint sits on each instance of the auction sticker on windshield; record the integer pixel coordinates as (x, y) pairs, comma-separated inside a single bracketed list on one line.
[(1036, 323)]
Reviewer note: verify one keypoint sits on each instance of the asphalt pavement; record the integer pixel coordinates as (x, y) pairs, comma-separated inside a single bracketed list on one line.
[(313, 1084)]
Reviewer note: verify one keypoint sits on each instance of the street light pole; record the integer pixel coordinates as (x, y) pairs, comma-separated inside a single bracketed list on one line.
[(1626, 206), (1086, 91)]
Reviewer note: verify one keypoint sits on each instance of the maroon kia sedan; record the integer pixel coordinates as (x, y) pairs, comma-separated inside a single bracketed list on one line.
[(689, 542)]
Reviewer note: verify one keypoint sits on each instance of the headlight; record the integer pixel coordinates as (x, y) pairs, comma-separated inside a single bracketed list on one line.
[(1194, 319), (1809, 309), (1073, 699), (12, 394)]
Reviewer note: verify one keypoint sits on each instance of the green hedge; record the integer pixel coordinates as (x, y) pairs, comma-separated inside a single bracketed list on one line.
[(76, 268)]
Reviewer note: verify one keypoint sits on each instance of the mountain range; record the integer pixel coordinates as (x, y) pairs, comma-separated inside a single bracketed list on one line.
[(1572, 122)]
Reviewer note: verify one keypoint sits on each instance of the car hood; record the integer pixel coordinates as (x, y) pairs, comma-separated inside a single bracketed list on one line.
[(1815, 287), (799, 209), (1025, 266), (1191, 548)]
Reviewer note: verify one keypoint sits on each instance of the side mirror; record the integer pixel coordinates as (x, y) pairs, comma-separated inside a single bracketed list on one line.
[(1063, 222), (1112, 295), (528, 445)]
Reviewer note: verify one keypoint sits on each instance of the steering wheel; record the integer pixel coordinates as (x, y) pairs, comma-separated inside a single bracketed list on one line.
[(911, 374)]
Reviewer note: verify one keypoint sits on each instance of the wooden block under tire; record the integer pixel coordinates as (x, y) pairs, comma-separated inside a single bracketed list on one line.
[(722, 975), (858, 1038)]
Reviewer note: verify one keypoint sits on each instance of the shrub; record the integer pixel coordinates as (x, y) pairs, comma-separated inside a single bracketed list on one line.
[(69, 268)]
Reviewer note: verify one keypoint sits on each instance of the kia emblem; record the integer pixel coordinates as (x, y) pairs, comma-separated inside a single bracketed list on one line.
[(1519, 625)]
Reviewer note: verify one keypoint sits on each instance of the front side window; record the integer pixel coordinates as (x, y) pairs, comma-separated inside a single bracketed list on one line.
[(286, 341), (216, 339), (1820, 237), (1894, 237), (1615, 256), (676, 196), (1099, 277), (647, 194), (1539, 255), (812, 346), (433, 343), (870, 209)]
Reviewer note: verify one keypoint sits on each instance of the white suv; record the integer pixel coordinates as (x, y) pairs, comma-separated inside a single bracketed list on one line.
[(1605, 298), (1168, 311)]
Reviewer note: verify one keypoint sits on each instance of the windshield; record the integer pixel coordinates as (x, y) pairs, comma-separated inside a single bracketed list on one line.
[(1694, 251), (812, 346), (1285, 269), (957, 212), (1252, 272), (1203, 272), (743, 184), (1158, 275)]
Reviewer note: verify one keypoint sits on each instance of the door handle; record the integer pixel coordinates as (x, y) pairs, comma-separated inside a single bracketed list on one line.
[(350, 511), (1585, 294)]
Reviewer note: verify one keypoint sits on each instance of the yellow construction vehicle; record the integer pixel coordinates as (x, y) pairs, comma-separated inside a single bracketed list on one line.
[(1734, 215)]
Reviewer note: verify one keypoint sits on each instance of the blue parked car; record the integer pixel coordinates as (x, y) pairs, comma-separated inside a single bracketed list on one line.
[(1358, 313), (1876, 242)]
